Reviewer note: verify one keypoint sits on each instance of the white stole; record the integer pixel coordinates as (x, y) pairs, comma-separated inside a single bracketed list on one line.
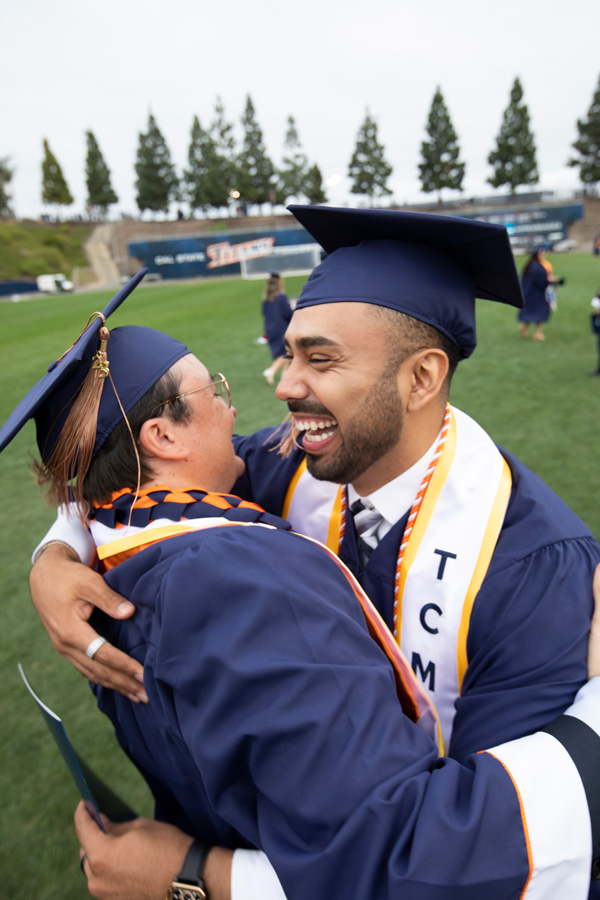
[(454, 537), (314, 507), (446, 559)]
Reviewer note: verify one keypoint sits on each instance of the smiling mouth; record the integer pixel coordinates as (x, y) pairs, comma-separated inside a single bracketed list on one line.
[(313, 432)]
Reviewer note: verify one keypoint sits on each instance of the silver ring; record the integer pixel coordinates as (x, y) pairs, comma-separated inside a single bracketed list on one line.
[(94, 647), (82, 862)]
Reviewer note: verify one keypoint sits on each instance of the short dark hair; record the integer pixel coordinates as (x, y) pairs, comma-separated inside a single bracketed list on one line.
[(408, 336), (115, 465)]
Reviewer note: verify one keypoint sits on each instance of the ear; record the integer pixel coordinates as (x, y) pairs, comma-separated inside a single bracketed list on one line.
[(162, 438), (428, 371)]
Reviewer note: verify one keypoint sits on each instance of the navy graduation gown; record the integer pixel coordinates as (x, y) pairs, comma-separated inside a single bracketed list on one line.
[(273, 722), (527, 637)]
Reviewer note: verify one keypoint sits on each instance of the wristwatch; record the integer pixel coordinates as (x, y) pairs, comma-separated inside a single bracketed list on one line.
[(189, 884)]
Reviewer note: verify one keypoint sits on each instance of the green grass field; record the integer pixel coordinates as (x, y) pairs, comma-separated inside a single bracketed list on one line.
[(533, 398)]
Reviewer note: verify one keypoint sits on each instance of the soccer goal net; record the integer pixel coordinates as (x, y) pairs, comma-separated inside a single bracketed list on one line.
[(291, 259)]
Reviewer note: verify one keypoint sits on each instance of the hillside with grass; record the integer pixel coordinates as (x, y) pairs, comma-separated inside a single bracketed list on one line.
[(29, 249)]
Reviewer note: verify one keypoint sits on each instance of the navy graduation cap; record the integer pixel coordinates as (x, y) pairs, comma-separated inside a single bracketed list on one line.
[(427, 266), (129, 360)]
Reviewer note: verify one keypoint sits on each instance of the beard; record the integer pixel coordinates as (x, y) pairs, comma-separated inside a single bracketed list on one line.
[(374, 429)]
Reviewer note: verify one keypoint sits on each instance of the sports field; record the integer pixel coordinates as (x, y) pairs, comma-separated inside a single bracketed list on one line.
[(533, 398)]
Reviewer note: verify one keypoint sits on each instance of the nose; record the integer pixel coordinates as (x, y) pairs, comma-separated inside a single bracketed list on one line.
[(290, 386), (233, 410)]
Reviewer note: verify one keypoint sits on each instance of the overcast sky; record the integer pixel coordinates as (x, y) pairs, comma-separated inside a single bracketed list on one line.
[(69, 66)]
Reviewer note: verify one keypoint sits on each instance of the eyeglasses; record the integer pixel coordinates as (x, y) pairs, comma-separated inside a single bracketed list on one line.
[(221, 390)]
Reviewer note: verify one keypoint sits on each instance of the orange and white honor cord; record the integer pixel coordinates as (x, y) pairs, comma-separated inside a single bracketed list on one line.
[(414, 510), (416, 507)]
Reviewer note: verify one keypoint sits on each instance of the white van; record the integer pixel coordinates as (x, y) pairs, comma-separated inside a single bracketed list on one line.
[(54, 284)]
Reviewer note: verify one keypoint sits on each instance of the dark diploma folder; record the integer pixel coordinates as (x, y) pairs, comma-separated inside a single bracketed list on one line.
[(97, 795)]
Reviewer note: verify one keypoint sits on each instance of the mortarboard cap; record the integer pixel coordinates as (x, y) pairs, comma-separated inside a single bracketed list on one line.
[(427, 266), (137, 358)]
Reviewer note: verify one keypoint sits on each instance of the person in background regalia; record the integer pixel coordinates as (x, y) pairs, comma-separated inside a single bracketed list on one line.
[(277, 313), (536, 309)]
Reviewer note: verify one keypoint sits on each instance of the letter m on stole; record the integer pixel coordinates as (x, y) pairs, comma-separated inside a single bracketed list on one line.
[(424, 673)]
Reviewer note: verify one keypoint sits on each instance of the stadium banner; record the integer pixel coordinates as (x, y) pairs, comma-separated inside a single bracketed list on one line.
[(8, 288), (534, 225), (213, 254)]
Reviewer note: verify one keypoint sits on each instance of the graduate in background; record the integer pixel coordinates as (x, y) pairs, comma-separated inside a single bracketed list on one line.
[(277, 313), (536, 309)]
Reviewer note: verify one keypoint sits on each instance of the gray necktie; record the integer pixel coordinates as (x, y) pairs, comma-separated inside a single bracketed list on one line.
[(366, 522)]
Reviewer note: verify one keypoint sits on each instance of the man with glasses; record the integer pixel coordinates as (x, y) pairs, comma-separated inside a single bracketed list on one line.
[(239, 659)]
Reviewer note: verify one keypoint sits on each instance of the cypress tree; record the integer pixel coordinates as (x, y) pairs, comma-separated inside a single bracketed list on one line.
[(223, 173), (514, 159), (255, 169), (156, 182), (97, 174), (293, 173), (441, 166), (54, 186), (6, 174), (313, 186), (587, 144), (201, 154), (368, 168)]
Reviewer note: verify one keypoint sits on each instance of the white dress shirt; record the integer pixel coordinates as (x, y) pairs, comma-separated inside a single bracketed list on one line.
[(394, 499)]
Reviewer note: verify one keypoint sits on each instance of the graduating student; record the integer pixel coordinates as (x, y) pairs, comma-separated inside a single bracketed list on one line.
[(481, 571), (273, 719)]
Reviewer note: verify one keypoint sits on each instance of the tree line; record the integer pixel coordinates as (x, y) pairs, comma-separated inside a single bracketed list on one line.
[(219, 172)]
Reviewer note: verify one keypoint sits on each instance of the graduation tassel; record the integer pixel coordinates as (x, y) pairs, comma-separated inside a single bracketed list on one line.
[(287, 441), (72, 454)]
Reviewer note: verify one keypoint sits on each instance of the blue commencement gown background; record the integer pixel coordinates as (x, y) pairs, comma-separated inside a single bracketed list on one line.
[(273, 722), (535, 306), (527, 637), (276, 314)]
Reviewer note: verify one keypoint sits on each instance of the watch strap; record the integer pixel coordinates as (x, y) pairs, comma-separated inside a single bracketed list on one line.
[(193, 864)]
